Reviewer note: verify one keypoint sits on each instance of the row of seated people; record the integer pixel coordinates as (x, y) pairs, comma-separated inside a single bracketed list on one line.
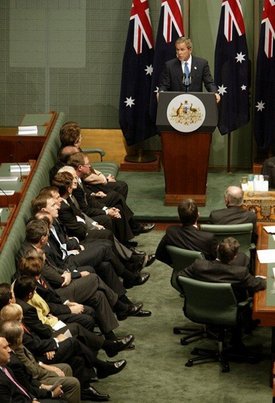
[(73, 272), (223, 262)]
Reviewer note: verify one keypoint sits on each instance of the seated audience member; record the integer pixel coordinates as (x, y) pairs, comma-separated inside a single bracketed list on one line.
[(187, 235), (36, 378), (65, 310), (80, 286), (224, 269), (234, 213), (6, 295), (70, 135), (67, 347), (74, 222)]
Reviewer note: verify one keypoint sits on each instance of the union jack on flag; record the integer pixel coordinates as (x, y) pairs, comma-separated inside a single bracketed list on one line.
[(169, 29), (265, 80), (232, 68), (137, 69)]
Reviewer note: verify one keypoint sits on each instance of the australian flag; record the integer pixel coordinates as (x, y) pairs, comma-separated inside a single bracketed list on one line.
[(265, 80), (169, 29), (232, 68), (136, 78)]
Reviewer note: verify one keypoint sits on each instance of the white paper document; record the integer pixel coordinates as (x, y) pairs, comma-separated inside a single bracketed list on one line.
[(4, 192), (8, 178), (270, 229), (266, 255), (27, 130), (20, 168)]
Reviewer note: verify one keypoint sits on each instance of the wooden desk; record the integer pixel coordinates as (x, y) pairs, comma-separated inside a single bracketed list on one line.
[(264, 301), (23, 148), (262, 203), (19, 187)]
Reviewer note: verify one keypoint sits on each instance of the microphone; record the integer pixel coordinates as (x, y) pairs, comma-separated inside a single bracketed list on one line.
[(20, 171)]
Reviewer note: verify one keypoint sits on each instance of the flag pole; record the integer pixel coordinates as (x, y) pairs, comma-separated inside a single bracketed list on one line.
[(229, 152)]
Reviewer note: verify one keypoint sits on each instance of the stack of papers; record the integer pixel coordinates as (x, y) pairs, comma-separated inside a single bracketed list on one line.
[(270, 229), (27, 130), (4, 192), (8, 178), (20, 168), (266, 255)]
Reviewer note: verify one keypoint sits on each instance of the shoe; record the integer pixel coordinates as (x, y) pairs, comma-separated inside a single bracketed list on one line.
[(131, 244), (111, 368), (150, 260), (146, 228), (143, 313), (137, 252), (142, 279), (114, 347), (92, 394), (132, 311)]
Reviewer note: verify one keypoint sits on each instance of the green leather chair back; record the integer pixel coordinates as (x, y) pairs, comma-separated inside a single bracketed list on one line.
[(181, 258), (241, 232), (209, 303)]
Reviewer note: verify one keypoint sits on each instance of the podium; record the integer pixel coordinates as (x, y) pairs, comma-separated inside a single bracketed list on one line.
[(186, 121)]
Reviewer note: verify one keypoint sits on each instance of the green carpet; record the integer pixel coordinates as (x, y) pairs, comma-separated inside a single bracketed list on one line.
[(146, 194), (156, 372)]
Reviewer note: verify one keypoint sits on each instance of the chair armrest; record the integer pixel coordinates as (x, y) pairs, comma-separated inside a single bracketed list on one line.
[(244, 304), (99, 151)]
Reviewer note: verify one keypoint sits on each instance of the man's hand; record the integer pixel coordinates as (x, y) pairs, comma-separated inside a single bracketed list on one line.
[(84, 273), (100, 227), (113, 212), (218, 97), (111, 178), (67, 278), (99, 194), (50, 355), (75, 308)]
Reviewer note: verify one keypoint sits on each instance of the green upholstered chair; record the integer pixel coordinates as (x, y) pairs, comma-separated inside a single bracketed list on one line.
[(213, 304), (241, 232), (182, 258)]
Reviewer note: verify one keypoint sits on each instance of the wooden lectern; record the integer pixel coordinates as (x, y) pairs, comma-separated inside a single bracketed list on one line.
[(185, 147)]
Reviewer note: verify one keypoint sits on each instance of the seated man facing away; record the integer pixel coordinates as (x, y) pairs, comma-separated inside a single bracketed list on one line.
[(187, 235), (225, 270), (234, 213)]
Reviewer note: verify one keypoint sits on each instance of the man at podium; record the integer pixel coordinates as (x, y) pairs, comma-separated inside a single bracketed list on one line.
[(186, 72)]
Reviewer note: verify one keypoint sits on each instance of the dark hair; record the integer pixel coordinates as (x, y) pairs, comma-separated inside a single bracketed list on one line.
[(77, 159), (228, 249), (188, 212), (35, 229), (69, 133), (5, 294), (23, 286), (31, 263), (63, 180)]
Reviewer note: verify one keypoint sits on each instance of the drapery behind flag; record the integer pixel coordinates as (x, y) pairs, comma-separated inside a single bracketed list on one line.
[(265, 80), (169, 29), (136, 78), (232, 68)]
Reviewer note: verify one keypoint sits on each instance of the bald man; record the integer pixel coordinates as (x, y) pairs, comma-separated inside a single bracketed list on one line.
[(234, 213)]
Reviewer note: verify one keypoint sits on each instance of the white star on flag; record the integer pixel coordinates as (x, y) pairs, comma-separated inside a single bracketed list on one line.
[(222, 89), (240, 57), (129, 102), (149, 70), (243, 87), (260, 106)]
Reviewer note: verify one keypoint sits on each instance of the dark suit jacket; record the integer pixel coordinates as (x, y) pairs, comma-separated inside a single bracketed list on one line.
[(235, 215), (187, 237), (172, 76), (242, 281), (9, 391)]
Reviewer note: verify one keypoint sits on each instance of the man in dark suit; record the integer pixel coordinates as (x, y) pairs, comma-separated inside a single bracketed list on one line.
[(187, 235), (225, 270), (187, 72), (234, 213)]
